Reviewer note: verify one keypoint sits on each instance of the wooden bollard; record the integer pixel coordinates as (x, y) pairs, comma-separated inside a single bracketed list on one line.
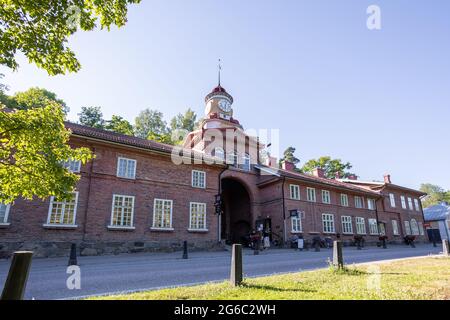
[(445, 248), (236, 265), (338, 260), (185, 250), (16, 281), (73, 255)]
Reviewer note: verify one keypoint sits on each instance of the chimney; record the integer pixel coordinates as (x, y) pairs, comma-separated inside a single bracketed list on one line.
[(272, 162), (387, 178), (353, 177), (288, 166), (338, 175), (319, 172)]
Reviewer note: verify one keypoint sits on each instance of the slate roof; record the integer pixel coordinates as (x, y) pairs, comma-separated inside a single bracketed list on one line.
[(440, 211)]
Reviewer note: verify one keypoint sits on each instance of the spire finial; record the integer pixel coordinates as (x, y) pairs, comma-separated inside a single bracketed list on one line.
[(220, 68)]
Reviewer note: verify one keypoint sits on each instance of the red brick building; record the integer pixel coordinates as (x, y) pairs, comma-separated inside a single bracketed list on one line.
[(140, 195)]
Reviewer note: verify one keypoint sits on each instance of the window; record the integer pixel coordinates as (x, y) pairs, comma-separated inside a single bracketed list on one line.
[(360, 225), (347, 227), (392, 200), (403, 202), (72, 165), (162, 214), (4, 211), (245, 162), (421, 230), (395, 228), (328, 223), (198, 179), (197, 216), (296, 223), (326, 197), (417, 205), (311, 193), (410, 204), (294, 191), (122, 211), (344, 200), (414, 227), (359, 202), (126, 168), (219, 153), (407, 228), (371, 204), (232, 159), (373, 226), (381, 229), (62, 212)]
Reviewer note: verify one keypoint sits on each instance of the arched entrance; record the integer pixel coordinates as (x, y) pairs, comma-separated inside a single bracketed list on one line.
[(236, 220)]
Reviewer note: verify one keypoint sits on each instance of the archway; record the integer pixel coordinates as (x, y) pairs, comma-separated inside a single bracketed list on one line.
[(236, 220)]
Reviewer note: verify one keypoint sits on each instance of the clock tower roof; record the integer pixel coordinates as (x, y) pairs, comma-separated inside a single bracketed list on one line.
[(218, 91)]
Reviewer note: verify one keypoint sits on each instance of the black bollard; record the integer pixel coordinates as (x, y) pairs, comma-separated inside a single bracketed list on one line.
[(317, 246), (445, 248), (358, 245), (338, 259), (236, 265), (384, 244), (185, 251), (16, 281), (73, 255)]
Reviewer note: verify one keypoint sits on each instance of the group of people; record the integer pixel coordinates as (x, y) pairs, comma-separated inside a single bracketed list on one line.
[(256, 237)]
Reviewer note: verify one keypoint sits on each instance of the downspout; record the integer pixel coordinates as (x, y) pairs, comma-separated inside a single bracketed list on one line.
[(219, 216), (284, 212), (88, 194)]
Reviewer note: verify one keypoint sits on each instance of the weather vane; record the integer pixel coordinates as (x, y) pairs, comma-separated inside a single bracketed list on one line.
[(220, 68)]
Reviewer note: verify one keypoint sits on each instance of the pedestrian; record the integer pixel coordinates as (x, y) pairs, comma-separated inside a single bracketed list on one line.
[(266, 239)]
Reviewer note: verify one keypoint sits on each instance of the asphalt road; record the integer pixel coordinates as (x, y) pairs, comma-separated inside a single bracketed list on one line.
[(131, 272)]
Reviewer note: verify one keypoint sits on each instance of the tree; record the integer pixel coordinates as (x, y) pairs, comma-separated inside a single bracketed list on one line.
[(186, 121), (33, 146), (288, 155), (149, 124), (92, 117), (119, 125), (36, 98), (435, 194), (40, 29), (332, 167)]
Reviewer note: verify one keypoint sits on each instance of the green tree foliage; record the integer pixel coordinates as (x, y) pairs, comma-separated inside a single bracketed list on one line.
[(288, 155), (186, 121), (35, 98), (435, 194), (33, 145), (40, 29), (119, 125), (149, 124), (332, 167), (92, 117)]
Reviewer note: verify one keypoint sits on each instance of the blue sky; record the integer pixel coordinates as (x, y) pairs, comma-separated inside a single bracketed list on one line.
[(379, 99)]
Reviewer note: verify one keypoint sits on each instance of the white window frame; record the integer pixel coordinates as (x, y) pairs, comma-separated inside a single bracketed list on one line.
[(328, 225), (417, 205), (63, 203), (204, 214), (344, 203), (118, 226), (392, 200), (73, 165), (407, 228), (219, 153), (414, 227), (232, 159), (347, 224), (200, 174), (371, 204), (128, 160), (326, 196), (421, 229), (410, 204), (296, 225), (360, 225), (361, 201), (373, 227), (395, 230), (311, 194), (246, 162), (403, 200), (154, 227), (6, 215), (294, 191)]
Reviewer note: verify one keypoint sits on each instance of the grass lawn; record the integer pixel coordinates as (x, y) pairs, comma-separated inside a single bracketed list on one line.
[(427, 278)]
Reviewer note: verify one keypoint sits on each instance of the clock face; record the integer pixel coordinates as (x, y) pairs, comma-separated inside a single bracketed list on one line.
[(225, 105)]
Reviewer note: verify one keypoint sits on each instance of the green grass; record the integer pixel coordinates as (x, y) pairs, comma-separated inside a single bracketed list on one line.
[(427, 278)]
